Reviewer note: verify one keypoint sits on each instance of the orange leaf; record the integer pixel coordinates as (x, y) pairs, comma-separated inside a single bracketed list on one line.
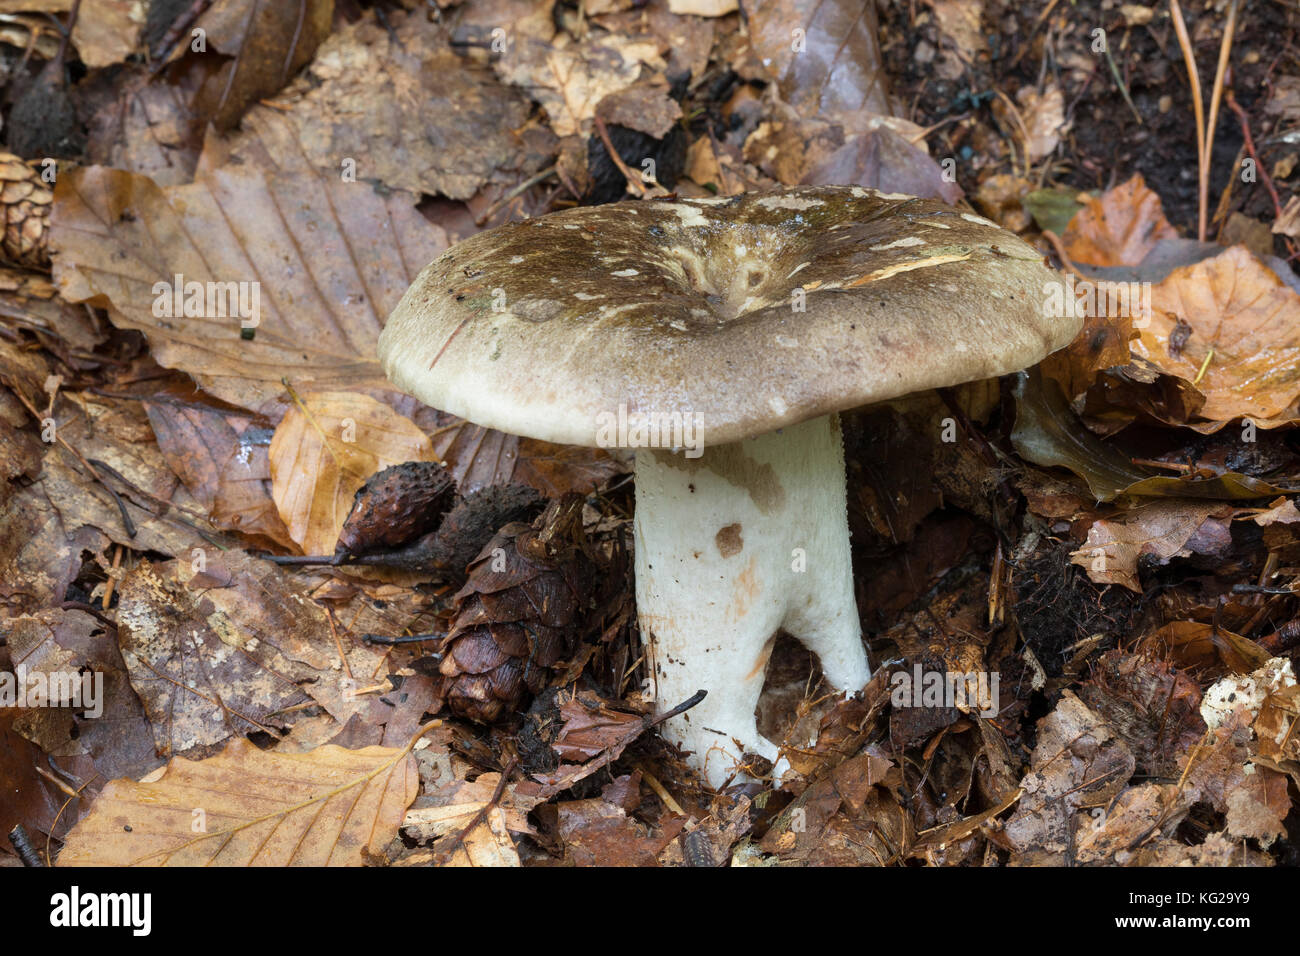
[(1236, 306), (324, 449), (1118, 228)]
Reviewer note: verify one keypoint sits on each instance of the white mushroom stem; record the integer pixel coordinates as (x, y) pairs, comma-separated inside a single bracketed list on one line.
[(748, 539)]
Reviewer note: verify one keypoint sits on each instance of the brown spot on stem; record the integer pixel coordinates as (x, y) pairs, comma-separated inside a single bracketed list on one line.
[(729, 541)]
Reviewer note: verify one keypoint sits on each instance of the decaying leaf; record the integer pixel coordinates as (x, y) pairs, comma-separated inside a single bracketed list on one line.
[(390, 104), (1157, 532), (1078, 762), (214, 646)]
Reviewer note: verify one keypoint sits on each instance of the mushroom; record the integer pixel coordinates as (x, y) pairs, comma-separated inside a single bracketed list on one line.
[(720, 338)]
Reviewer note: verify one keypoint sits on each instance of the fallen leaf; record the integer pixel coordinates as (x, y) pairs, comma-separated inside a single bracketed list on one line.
[(1156, 532), (106, 32), (326, 260), (251, 807), (111, 729), (569, 78), (823, 54), (323, 451), (1239, 311), (1118, 228), (268, 43), (1077, 762), (392, 104), (215, 648), (1044, 118)]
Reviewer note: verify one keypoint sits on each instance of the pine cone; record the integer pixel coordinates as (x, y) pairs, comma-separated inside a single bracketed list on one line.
[(396, 505), (26, 201), (522, 610)]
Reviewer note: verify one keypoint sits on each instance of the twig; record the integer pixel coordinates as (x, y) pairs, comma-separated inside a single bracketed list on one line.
[(403, 639), (1123, 87), (1194, 81), (481, 815), (517, 191), (169, 39), (632, 178), (1225, 49)]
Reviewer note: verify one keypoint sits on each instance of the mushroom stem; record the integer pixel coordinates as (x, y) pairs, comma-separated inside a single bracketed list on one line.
[(748, 539)]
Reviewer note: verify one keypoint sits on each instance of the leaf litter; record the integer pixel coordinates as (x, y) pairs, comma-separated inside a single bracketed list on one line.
[(279, 609)]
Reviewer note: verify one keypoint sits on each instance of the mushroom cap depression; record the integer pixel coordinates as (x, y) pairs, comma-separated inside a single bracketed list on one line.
[(546, 327)]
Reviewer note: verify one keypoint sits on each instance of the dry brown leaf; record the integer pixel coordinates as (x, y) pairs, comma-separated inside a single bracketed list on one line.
[(57, 642), (151, 128), (251, 807), (214, 646), (107, 32), (1239, 309), (329, 259), (1158, 531), (1077, 762), (823, 54), (324, 449), (394, 105), (1044, 119), (959, 22), (269, 42), (1118, 228), (569, 78)]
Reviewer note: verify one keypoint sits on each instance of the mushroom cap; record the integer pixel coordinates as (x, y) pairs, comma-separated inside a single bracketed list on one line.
[(545, 327)]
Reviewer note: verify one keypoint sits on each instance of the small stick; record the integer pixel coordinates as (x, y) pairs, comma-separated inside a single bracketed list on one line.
[(482, 813), (519, 190), (1225, 49), (334, 632), (1198, 108), (403, 639), (112, 581), (631, 177), (23, 847), (660, 791)]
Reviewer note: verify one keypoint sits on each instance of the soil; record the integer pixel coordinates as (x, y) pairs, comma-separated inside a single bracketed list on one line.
[(1106, 143)]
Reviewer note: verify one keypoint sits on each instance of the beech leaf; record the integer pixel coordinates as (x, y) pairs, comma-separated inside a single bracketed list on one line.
[(324, 449), (251, 807)]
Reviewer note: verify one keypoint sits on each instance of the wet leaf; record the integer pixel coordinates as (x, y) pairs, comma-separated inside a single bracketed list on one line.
[(1243, 331), (1048, 433), (838, 70), (1118, 228)]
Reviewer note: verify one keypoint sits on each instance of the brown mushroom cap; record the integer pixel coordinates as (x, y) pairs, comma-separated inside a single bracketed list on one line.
[(541, 327)]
